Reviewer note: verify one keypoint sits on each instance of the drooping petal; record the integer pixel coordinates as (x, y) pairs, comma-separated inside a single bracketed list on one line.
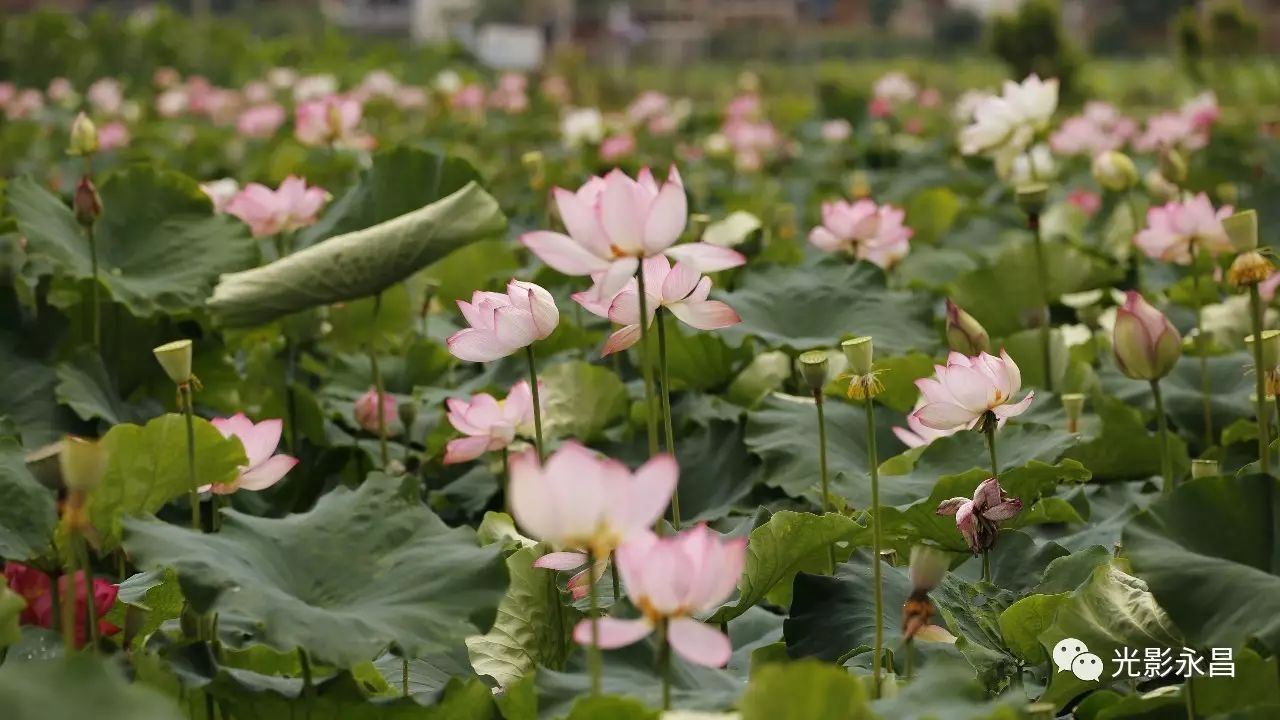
[(952, 506), (561, 561), (268, 473), (698, 642), (705, 257), (705, 315), (466, 449), (987, 494), (614, 633), (620, 340), (475, 345), (1003, 510)]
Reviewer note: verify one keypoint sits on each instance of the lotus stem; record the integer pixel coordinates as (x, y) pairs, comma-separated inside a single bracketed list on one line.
[(822, 469), (188, 410), (90, 603), (875, 541), (645, 368), (594, 659), (377, 385), (1136, 217), (94, 290), (990, 431), (664, 662), (308, 686), (404, 676), (537, 403), (1260, 384), (665, 380), (1202, 350), (1162, 427), (1042, 277)]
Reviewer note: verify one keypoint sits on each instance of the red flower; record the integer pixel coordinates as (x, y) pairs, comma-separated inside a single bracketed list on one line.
[(34, 587)]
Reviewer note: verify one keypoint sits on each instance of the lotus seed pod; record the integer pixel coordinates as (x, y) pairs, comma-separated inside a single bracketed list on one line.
[(175, 358)]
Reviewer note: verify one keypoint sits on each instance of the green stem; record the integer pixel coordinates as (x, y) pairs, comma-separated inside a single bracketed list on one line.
[(537, 401), (613, 573), (90, 603), (1043, 281), (872, 460), (404, 676), (645, 368), (1202, 351), (1260, 381), (986, 566), (216, 502), (94, 290), (308, 686), (1191, 700), (908, 661), (822, 470), (1166, 463), (990, 432), (379, 394), (291, 400), (665, 381), (594, 660), (664, 662), (562, 642), (68, 607), (188, 409), (1137, 227)]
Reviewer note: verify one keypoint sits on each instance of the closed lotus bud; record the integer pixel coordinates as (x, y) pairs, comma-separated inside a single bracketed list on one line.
[(175, 358), (1173, 166), (928, 565), (366, 410), (1031, 197), (87, 204), (1249, 268), (1242, 229), (1159, 188), (860, 353), (83, 462), (813, 366), (1145, 343), (84, 137), (1073, 405), (1114, 171), (965, 334), (1204, 468)]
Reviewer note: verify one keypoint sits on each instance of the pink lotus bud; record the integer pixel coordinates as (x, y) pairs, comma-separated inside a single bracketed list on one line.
[(366, 412), (964, 333), (1146, 344)]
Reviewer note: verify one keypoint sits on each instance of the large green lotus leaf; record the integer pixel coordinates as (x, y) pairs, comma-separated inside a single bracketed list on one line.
[(160, 247), (834, 614), (946, 690), (478, 266), (1254, 685), (361, 571), (1124, 450), (428, 675), (359, 263), (343, 699), (1231, 388), (85, 385), (1001, 294), (27, 511), (399, 181), (27, 396), (147, 468), (1113, 610), (1209, 553), (716, 472), (804, 690), (580, 400), (530, 629), (701, 360), (802, 308), (607, 707), (783, 431), (788, 543), (80, 686)]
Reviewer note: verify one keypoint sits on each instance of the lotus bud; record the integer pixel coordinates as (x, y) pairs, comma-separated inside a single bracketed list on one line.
[(83, 462), (84, 137), (1173, 166), (1145, 343), (1242, 229), (175, 358), (87, 204), (1249, 268), (928, 565), (965, 334), (860, 354), (1159, 188), (367, 409), (813, 366), (1073, 405), (1031, 198), (1114, 171), (1201, 468)]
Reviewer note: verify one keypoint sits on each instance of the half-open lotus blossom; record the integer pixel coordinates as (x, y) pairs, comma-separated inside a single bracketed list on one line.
[(614, 221), (1176, 229), (978, 519), (333, 120), (916, 433), (1145, 343), (488, 424), (965, 389), (260, 121), (366, 410), (863, 230), (267, 212), (673, 579), (680, 289), (265, 468), (580, 501), (1010, 121), (113, 135), (501, 324), (35, 587)]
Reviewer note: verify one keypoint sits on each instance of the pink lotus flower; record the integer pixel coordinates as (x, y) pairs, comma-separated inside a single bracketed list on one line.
[(917, 434), (836, 131), (333, 120), (672, 579), (61, 91), (977, 519), (112, 136), (25, 104), (743, 107), (582, 501), (680, 289), (35, 587), (1088, 201), (648, 105), (1176, 229), (615, 221), (105, 96), (366, 410), (616, 147), (501, 324), (259, 440), (221, 192), (268, 212), (929, 98), (468, 98), (1146, 345), (1202, 110), (863, 230), (488, 424), (1100, 128), (880, 108), (556, 89), (967, 388), (260, 121)]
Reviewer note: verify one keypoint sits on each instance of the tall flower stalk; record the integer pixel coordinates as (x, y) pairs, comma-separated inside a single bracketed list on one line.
[(1249, 269), (813, 365), (175, 359), (665, 379), (537, 402), (88, 207), (1031, 199), (646, 370), (378, 388), (1146, 347)]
